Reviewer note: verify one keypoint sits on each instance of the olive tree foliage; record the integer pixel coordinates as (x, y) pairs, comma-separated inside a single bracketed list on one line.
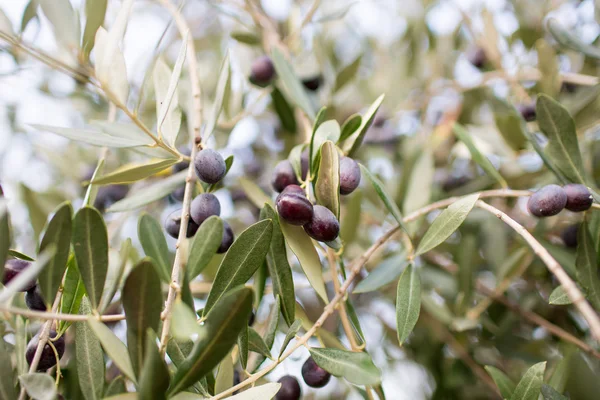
[(445, 263)]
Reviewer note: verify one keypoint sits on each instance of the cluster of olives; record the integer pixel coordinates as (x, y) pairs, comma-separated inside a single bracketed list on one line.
[(34, 301), (313, 375), (262, 73), (210, 168), (551, 199), (295, 208)]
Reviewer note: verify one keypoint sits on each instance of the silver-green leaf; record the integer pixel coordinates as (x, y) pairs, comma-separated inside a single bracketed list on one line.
[(356, 367)]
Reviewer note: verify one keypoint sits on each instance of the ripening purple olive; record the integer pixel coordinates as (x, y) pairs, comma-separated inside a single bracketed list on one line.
[(283, 175), (291, 189), (294, 209), (569, 235), (180, 166), (108, 195), (477, 58), (14, 267), (203, 206), (304, 163), (227, 240), (579, 197), (313, 375), (324, 226), (313, 83), (34, 299), (48, 359), (349, 175), (527, 111), (548, 201), (289, 390), (262, 71), (210, 166), (178, 193), (173, 223)]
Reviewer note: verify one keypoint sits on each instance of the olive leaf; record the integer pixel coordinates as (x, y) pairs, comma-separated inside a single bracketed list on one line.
[(549, 393), (367, 119), (408, 302), (386, 272), (5, 237), (347, 74), (73, 292), (356, 367), (7, 388), (327, 131), (257, 344), (291, 334), (204, 245), (154, 376), (529, 386), (284, 110), (569, 40), (223, 84), (184, 322), (587, 265), (504, 383), (291, 83), (350, 125), (155, 245), (38, 386), (134, 172), (262, 392), (224, 378), (95, 12), (327, 187), (89, 356), (559, 297)]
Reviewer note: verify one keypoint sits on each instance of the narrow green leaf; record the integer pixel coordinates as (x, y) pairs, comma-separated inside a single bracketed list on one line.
[(222, 327), (135, 172), (90, 243), (94, 137), (142, 302), (36, 209), (367, 120), (386, 272), (569, 40), (5, 237), (167, 102), (154, 377), (291, 334), (357, 368), (291, 83), (446, 223), (510, 125), (328, 130), (418, 192), (408, 302), (64, 20), (302, 246), (257, 344), (550, 81), (89, 356), (387, 200), (549, 393), (563, 148), (95, 10), (529, 386), (223, 83), (224, 378), (262, 392), (155, 245), (204, 245), (38, 386), (92, 190), (504, 383), (559, 297), (354, 321), (249, 38), (57, 234), (350, 220), (151, 193), (256, 195), (284, 110), (28, 15), (113, 347), (587, 265), (242, 343), (327, 188), (269, 336), (178, 350), (184, 322), (114, 282), (477, 156), (241, 261), (7, 376), (115, 387), (347, 74), (350, 125), (73, 292), (279, 267), (19, 255), (295, 158)]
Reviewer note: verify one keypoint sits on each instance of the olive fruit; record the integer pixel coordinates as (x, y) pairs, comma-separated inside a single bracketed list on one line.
[(289, 390), (210, 166), (304, 163), (48, 359), (548, 201), (109, 194), (291, 189), (313, 375), (180, 166), (349, 175), (313, 83), (178, 193), (527, 111), (569, 235), (203, 206), (251, 318), (14, 267), (173, 223), (262, 71), (283, 176), (579, 197), (227, 240), (323, 226), (34, 299), (294, 209), (477, 58)]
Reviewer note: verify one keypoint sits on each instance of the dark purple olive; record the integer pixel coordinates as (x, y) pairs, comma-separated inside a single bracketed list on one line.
[(569, 235), (34, 299), (178, 194), (108, 195), (295, 209), (477, 58), (304, 163), (548, 201), (289, 390), (313, 375), (527, 111), (14, 267), (203, 206), (349, 175), (579, 197), (48, 359), (312, 84), (262, 71), (324, 226), (210, 166), (180, 166), (291, 189), (227, 240), (284, 175), (251, 318), (379, 120), (173, 223)]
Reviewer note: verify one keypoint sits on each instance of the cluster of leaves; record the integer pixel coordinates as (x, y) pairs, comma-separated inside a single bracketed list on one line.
[(436, 271)]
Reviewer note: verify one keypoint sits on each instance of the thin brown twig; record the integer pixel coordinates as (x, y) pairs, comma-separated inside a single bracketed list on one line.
[(44, 315)]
